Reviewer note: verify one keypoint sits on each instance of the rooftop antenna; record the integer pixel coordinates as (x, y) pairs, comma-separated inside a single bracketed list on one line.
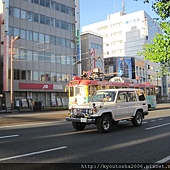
[(123, 6), (114, 7)]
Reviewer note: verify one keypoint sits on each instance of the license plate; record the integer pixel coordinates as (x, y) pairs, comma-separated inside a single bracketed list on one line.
[(83, 119)]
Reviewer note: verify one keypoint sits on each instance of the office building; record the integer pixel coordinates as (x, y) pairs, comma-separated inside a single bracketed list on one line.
[(43, 56), (124, 36), (92, 51)]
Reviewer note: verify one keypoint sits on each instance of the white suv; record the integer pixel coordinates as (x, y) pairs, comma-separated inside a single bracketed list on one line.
[(108, 107)]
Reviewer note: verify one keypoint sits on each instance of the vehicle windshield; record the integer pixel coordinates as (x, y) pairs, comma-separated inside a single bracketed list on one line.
[(104, 96)]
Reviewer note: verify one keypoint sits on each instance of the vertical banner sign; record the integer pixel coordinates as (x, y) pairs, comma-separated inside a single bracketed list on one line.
[(78, 45)]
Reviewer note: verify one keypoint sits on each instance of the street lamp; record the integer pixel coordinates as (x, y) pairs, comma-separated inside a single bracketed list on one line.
[(13, 39)]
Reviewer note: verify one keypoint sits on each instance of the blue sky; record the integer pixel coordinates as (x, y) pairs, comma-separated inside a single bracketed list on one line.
[(92, 11)]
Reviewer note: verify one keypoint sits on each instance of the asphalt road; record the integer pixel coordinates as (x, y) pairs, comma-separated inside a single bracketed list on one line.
[(53, 140)]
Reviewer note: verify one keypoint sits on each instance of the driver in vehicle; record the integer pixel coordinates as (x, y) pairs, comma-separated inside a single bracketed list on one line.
[(107, 98)]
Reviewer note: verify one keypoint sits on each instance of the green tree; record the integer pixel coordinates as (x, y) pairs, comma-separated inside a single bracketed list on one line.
[(159, 49), (161, 7)]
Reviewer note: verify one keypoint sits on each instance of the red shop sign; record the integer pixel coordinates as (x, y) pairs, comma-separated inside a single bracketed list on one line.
[(36, 86)]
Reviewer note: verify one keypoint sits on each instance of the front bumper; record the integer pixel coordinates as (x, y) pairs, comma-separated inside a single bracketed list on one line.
[(81, 120)]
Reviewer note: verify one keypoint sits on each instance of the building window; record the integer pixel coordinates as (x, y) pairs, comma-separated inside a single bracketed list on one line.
[(53, 77), (63, 42), (16, 12), (52, 23), (10, 31), (35, 75), (23, 34), (42, 19), (35, 55), (68, 60), (22, 54), (16, 32), (47, 21), (57, 23), (47, 57), (29, 55), (63, 59), (16, 74), (29, 35), (62, 8), (41, 56), (29, 75), (64, 78), (59, 78), (35, 36), (41, 37), (53, 5), (58, 59), (42, 76), (52, 58), (29, 16), (10, 11), (47, 3), (68, 43), (36, 1), (42, 2), (57, 7), (23, 14), (63, 25), (47, 39), (53, 40), (36, 17), (23, 75)]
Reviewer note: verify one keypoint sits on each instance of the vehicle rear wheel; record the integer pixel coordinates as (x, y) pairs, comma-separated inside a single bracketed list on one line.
[(137, 120), (78, 126), (104, 124)]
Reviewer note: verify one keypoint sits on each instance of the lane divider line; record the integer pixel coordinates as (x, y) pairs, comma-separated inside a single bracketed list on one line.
[(32, 153), (157, 126), (10, 136), (163, 160)]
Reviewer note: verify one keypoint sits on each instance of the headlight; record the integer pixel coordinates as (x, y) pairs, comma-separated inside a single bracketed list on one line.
[(90, 111), (74, 111)]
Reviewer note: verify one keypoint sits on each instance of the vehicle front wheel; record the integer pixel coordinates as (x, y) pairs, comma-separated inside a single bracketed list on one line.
[(78, 126), (104, 124), (137, 120)]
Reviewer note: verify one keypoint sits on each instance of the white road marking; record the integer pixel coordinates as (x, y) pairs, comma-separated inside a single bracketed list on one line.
[(33, 153), (163, 160), (32, 124), (153, 120), (144, 122), (10, 136), (160, 119), (157, 126)]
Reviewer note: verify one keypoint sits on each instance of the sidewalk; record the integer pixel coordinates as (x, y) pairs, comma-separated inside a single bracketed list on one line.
[(8, 119)]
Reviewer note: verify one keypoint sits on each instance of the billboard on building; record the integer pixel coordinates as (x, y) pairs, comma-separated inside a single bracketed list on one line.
[(124, 66)]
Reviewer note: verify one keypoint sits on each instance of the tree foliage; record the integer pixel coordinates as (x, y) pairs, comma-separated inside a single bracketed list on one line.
[(159, 49), (161, 7)]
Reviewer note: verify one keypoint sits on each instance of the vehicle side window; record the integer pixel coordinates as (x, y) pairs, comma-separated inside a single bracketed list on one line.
[(141, 96), (131, 96), (122, 96)]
